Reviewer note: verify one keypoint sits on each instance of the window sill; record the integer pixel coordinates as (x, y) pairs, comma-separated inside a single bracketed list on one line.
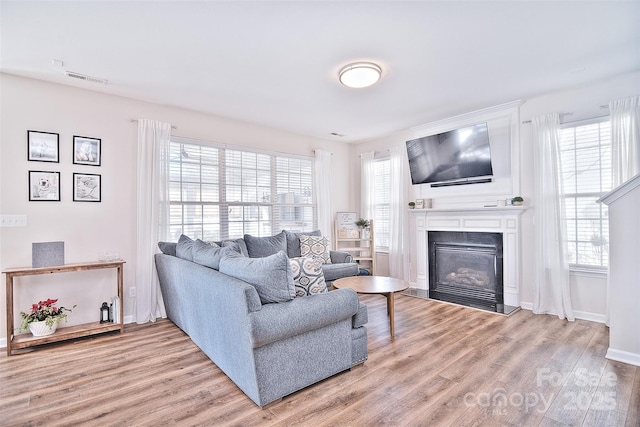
[(585, 272)]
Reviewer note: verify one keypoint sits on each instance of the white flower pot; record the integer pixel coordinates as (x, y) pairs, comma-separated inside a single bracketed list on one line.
[(41, 329)]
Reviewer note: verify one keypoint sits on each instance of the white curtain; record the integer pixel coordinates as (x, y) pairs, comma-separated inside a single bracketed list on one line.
[(551, 291), (322, 185), (152, 215), (398, 214), (367, 185), (367, 191), (625, 139)]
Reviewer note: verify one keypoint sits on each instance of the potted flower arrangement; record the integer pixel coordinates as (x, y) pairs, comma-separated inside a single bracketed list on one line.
[(43, 318), (517, 201), (412, 205), (363, 225)]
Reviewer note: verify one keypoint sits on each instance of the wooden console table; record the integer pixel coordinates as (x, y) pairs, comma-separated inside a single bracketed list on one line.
[(71, 332)]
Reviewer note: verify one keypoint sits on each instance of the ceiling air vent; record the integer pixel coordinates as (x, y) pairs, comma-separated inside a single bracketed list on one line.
[(86, 78)]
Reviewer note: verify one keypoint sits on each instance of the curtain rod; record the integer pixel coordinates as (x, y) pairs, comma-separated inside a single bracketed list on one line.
[(135, 120), (602, 107)]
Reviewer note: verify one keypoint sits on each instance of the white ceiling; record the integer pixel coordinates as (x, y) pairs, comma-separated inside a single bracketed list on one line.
[(276, 63)]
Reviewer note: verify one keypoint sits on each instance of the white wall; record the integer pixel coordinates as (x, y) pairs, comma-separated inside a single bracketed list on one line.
[(90, 228), (588, 290)]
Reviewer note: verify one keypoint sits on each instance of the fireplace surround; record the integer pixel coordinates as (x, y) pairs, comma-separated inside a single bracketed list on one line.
[(477, 221)]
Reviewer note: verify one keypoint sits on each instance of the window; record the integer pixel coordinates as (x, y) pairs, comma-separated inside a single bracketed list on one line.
[(585, 151), (381, 221), (218, 193)]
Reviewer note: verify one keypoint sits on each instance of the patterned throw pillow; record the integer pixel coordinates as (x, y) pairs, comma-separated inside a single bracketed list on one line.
[(316, 247), (307, 276)]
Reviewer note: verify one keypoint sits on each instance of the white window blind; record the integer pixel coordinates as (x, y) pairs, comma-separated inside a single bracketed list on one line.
[(381, 222), (585, 150), (219, 193)]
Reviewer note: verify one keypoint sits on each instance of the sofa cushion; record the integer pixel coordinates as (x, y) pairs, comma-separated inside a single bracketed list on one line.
[(259, 247), (208, 254), (316, 247), (238, 243), (336, 271), (184, 248), (307, 276), (271, 276), (168, 248), (293, 241)]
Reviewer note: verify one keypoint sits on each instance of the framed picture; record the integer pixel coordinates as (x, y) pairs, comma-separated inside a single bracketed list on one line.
[(87, 187), (43, 146), (346, 225), (44, 186), (86, 151)]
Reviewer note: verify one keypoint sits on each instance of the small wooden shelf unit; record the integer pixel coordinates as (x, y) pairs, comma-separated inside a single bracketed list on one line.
[(356, 247), (15, 342)]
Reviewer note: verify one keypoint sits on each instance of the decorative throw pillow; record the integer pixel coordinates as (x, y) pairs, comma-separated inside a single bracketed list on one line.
[(307, 276), (316, 247), (207, 254), (184, 248), (238, 243), (168, 248), (259, 247), (271, 276), (293, 241)]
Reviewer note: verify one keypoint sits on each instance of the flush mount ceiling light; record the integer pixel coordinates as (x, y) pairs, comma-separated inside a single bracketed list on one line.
[(360, 74)]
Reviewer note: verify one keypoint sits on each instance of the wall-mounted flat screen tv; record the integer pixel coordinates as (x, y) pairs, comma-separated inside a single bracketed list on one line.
[(458, 156)]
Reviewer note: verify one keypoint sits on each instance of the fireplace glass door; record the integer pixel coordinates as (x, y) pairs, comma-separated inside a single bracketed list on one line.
[(466, 266), (472, 269)]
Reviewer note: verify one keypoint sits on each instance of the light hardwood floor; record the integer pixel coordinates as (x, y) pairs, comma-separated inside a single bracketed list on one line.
[(448, 366)]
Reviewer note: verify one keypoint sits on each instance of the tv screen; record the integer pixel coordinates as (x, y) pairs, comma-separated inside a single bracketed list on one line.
[(454, 156)]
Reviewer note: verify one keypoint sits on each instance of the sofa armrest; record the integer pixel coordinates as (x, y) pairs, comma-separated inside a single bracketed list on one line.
[(361, 317), (281, 320), (339, 257)]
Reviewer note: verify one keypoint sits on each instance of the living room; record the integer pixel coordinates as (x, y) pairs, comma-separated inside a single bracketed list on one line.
[(90, 229)]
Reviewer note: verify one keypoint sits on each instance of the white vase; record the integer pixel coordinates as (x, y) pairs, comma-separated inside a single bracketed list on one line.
[(364, 233), (41, 329)]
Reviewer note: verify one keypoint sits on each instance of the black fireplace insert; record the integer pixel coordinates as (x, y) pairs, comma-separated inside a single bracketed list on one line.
[(466, 268)]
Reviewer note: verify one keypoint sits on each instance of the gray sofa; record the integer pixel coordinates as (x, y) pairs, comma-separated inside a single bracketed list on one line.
[(269, 350)]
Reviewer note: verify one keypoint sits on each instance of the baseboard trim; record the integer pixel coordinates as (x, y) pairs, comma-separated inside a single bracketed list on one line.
[(623, 356), (526, 306), (582, 315), (592, 317)]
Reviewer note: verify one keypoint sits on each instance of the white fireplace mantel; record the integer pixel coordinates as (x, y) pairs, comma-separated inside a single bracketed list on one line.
[(500, 219)]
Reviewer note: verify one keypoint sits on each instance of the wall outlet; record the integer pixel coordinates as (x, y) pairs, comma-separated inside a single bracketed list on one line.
[(13, 220), (132, 292)]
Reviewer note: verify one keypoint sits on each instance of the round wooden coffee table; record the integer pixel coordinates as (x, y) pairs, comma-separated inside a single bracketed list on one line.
[(386, 286)]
